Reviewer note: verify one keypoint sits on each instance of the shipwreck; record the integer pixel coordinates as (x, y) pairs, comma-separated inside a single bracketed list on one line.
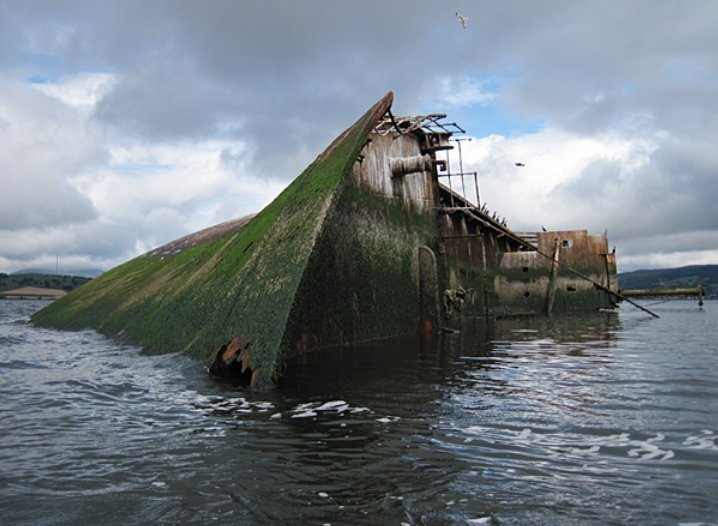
[(376, 238)]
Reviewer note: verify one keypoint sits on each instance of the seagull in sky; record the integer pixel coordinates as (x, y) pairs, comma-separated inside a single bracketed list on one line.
[(520, 164), (463, 20)]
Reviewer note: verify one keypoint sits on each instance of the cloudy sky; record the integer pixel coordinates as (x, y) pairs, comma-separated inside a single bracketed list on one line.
[(125, 124)]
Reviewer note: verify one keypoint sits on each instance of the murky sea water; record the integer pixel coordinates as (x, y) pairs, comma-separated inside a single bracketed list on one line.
[(604, 419)]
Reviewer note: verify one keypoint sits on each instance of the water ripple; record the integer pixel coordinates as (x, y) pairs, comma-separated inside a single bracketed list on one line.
[(592, 420)]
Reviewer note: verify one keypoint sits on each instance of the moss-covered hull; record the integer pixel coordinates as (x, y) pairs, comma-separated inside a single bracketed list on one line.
[(354, 249), (240, 285)]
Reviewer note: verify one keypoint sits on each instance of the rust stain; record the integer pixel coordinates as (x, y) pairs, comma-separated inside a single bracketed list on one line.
[(233, 361), (243, 361), (230, 352), (302, 343), (428, 328), (306, 340)]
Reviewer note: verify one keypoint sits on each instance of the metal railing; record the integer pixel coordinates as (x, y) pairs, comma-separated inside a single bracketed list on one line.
[(459, 181)]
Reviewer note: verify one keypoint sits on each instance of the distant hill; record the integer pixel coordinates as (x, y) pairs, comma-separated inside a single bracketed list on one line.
[(87, 273), (673, 278), (36, 279)]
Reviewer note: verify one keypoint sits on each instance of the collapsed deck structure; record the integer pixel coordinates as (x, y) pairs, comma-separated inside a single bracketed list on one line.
[(374, 239)]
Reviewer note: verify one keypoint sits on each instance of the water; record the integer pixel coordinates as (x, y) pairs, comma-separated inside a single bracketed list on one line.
[(605, 419)]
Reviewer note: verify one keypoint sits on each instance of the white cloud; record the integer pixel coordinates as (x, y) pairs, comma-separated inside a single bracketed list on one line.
[(540, 191), (97, 199), (42, 143), (463, 91), (81, 91)]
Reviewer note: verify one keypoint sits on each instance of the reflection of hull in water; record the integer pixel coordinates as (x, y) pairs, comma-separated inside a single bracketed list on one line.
[(366, 243), (480, 345)]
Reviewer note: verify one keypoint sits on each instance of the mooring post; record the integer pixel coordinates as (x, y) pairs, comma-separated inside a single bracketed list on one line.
[(553, 275)]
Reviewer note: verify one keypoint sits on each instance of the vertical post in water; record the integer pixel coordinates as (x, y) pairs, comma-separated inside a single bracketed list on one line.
[(553, 275)]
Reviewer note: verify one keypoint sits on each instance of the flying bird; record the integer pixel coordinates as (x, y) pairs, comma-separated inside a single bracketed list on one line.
[(520, 164), (463, 20)]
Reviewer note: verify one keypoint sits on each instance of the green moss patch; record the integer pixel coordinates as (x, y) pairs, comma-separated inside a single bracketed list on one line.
[(240, 285)]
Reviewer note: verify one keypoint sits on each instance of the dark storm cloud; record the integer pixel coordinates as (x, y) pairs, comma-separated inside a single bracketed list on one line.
[(283, 78), (588, 65), (297, 72), (287, 76), (162, 104)]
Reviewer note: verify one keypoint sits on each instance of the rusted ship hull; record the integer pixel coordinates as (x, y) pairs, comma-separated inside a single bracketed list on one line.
[(365, 243)]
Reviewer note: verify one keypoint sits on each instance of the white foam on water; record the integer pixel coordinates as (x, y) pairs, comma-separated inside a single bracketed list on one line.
[(561, 445), (335, 407), (305, 414), (706, 440), (388, 419)]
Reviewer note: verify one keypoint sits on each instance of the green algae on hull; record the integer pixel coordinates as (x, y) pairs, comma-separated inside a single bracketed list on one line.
[(366, 243), (241, 285)]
